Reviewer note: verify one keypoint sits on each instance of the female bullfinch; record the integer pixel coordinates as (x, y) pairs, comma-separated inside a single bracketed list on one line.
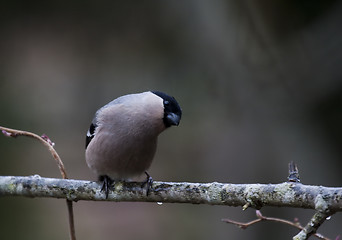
[(122, 138)]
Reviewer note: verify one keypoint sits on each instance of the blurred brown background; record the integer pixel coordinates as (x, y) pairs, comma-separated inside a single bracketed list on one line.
[(259, 83)]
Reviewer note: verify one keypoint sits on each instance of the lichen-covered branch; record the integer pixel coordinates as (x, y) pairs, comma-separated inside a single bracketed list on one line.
[(311, 228), (288, 194), (326, 201)]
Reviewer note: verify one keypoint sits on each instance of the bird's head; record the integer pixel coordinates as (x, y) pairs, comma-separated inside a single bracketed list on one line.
[(172, 110)]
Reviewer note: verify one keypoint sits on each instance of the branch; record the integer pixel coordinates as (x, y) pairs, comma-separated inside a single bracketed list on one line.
[(46, 141), (325, 200), (261, 218), (286, 194), (311, 228)]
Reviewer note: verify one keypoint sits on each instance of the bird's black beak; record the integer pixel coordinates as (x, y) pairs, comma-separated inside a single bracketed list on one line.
[(173, 119)]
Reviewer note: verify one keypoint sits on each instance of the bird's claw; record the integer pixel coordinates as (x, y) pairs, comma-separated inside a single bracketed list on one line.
[(148, 182), (106, 184)]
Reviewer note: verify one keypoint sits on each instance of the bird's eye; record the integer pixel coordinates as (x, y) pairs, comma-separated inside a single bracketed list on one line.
[(166, 103)]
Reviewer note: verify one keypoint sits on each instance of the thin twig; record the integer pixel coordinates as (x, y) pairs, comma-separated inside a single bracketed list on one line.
[(241, 224), (71, 220), (44, 139), (260, 218)]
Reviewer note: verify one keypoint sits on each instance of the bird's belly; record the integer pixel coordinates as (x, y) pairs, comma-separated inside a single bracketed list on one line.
[(122, 159)]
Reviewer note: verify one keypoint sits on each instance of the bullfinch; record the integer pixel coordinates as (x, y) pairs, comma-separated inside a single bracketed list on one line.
[(122, 138)]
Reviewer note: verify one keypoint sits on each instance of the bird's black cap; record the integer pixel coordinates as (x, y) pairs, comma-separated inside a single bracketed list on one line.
[(172, 110)]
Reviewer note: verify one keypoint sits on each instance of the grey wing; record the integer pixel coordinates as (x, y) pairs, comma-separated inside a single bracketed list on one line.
[(93, 125)]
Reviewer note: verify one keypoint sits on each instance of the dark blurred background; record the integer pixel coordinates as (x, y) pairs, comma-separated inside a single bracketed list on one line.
[(259, 83)]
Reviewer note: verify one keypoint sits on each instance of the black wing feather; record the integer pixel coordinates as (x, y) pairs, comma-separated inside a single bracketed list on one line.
[(90, 134)]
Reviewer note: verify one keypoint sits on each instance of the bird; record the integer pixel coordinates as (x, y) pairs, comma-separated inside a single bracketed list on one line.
[(122, 138)]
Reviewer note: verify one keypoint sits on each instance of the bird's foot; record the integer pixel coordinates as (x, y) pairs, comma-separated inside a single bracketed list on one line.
[(148, 182), (107, 182)]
